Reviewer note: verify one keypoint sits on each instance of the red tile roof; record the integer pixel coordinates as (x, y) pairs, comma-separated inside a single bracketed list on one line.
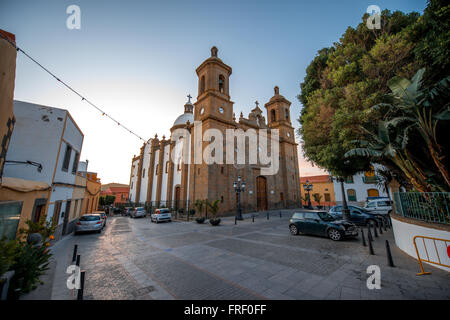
[(316, 179)]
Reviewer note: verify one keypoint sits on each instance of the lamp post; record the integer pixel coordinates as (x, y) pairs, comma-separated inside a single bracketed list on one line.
[(239, 187), (307, 186)]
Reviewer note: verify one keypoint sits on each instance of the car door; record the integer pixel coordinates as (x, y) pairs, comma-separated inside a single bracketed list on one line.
[(356, 216), (337, 212), (312, 223)]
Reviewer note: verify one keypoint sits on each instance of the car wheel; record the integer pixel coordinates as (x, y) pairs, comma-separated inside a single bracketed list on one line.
[(334, 234), (293, 229)]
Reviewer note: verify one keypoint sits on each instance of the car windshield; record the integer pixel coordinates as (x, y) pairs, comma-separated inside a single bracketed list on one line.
[(325, 216), (89, 218)]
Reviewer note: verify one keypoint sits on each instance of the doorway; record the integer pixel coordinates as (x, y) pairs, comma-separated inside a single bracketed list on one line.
[(261, 193)]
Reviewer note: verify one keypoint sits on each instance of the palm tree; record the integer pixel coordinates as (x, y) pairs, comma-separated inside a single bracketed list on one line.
[(214, 206), (199, 204), (317, 197)]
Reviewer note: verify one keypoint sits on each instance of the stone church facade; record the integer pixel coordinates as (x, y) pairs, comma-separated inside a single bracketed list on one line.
[(155, 178)]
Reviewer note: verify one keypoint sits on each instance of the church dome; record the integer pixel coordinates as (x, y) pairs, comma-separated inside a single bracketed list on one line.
[(184, 118)]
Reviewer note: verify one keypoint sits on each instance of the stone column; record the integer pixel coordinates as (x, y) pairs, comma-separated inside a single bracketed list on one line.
[(160, 169), (139, 178), (151, 170), (170, 176)]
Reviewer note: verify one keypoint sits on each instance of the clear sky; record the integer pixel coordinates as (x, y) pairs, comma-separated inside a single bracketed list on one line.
[(137, 60)]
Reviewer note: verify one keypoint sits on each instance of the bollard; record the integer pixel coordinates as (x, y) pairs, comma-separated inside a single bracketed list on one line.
[(371, 247), (389, 255), (188, 216), (267, 215), (369, 233), (375, 230), (253, 218), (235, 219), (81, 290), (384, 225), (363, 238), (75, 249), (78, 260), (280, 214), (381, 229)]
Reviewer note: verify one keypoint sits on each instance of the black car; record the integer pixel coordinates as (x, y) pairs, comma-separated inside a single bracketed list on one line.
[(321, 223), (358, 215)]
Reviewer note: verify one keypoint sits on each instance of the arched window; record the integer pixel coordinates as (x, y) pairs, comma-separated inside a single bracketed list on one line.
[(202, 84), (221, 84), (351, 195), (287, 114), (373, 193), (273, 116)]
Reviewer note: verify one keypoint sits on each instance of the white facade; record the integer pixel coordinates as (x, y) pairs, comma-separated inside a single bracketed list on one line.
[(47, 136), (359, 187), (134, 180)]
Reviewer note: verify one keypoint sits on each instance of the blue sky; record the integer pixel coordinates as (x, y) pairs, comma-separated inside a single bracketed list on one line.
[(137, 59)]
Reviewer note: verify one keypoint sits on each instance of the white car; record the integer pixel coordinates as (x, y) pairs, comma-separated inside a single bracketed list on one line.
[(380, 206), (138, 212), (161, 215)]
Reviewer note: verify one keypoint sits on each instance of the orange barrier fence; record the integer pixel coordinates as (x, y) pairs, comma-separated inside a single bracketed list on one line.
[(439, 263)]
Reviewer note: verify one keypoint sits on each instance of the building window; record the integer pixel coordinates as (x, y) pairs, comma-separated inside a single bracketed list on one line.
[(327, 197), (351, 194), (179, 165), (281, 196), (349, 179), (221, 83), (287, 114), (157, 167), (221, 169), (143, 173), (202, 84), (221, 199), (373, 193), (67, 154), (167, 166), (75, 162), (273, 117)]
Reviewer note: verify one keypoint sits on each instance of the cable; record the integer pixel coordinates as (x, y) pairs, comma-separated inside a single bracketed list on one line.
[(70, 88)]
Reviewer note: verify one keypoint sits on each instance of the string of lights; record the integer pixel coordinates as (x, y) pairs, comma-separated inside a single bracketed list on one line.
[(70, 88)]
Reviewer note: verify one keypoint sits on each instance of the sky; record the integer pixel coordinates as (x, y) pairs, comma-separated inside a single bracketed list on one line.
[(137, 60)]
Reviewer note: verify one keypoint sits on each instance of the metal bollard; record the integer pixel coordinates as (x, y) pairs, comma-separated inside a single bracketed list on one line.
[(369, 233), (363, 238), (81, 290), (78, 260), (384, 225), (253, 218), (188, 216), (267, 215), (235, 219), (371, 247), (389, 255), (280, 214), (375, 230), (381, 229), (75, 249)]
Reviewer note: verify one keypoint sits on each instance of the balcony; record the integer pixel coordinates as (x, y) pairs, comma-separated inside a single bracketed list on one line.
[(371, 179)]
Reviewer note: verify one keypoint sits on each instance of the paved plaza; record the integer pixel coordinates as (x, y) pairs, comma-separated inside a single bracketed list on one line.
[(135, 259)]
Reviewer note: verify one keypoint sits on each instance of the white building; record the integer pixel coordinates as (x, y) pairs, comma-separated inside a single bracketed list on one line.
[(359, 187), (50, 139)]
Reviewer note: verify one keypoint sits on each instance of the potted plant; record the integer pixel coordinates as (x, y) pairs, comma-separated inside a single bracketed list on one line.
[(317, 197), (214, 206), (199, 204)]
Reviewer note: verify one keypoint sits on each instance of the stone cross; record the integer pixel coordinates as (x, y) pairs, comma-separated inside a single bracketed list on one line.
[(189, 98)]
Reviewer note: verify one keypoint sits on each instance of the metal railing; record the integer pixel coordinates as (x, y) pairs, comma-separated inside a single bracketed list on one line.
[(424, 206), (428, 259)]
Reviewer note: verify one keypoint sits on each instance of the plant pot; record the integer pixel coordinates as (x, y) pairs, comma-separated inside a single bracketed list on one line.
[(214, 222), (200, 220)]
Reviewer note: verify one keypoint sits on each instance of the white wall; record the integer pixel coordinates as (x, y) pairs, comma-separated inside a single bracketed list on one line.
[(134, 179), (35, 137), (404, 234), (155, 178), (164, 174), (144, 178)]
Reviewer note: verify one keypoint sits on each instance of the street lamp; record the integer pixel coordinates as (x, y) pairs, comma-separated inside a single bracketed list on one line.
[(239, 187), (308, 187)]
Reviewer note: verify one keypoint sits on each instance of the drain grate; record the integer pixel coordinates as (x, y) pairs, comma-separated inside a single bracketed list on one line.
[(142, 291)]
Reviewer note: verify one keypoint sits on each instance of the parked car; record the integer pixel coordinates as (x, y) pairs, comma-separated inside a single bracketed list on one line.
[(161, 215), (358, 215), (321, 223), (138, 212), (117, 210), (380, 206), (126, 211), (103, 215), (89, 222)]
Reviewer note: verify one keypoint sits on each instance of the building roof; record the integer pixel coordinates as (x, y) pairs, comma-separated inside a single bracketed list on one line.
[(184, 118), (316, 179), (23, 185)]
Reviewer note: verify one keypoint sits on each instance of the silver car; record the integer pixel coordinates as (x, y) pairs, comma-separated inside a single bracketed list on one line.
[(138, 212), (161, 215), (89, 223)]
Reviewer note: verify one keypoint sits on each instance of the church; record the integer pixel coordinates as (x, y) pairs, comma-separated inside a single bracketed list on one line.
[(159, 180)]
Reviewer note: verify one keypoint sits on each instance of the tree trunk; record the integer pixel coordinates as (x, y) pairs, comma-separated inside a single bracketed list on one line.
[(345, 211)]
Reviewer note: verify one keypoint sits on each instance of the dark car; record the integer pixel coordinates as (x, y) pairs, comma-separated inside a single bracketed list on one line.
[(358, 215), (321, 223)]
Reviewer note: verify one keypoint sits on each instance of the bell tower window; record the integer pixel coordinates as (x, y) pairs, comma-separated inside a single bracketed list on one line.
[(287, 114), (273, 117), (202, 84), (221, 84)]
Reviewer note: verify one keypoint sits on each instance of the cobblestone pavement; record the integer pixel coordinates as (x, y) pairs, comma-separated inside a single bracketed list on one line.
[(137, 259)]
